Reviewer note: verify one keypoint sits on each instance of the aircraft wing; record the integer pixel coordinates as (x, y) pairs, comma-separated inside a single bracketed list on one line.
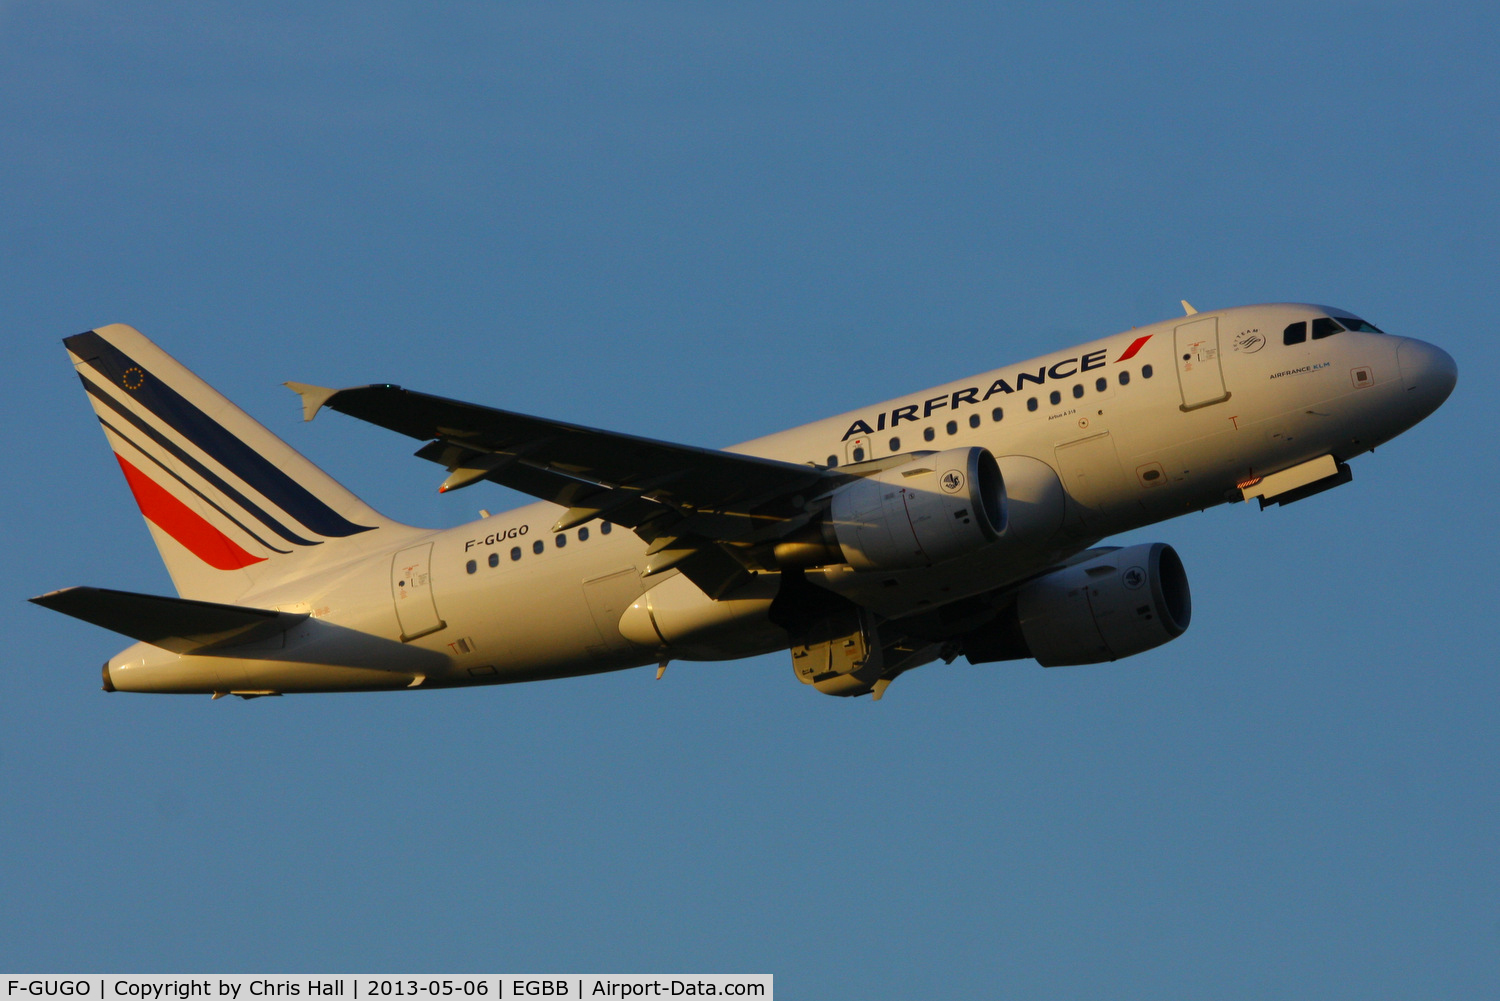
[(687, 502)]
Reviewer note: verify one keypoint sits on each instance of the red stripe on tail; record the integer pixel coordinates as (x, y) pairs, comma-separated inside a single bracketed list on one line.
[(1135, 346), (184, 524)]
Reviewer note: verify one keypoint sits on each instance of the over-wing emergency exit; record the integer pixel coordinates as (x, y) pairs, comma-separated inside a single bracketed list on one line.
[(958, 521)]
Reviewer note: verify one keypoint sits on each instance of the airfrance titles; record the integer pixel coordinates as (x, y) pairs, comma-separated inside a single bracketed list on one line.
[(970, 396)]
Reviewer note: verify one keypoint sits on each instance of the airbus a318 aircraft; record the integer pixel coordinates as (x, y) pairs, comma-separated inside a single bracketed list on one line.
[(953, 521)]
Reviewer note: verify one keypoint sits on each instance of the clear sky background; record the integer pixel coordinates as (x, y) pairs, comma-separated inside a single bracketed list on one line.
[(707, 222)]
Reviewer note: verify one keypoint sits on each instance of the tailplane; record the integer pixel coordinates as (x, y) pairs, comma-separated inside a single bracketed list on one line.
[(232, 507), (177, 624)]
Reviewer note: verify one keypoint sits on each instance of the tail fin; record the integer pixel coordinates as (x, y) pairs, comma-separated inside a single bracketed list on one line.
[(232, 507)]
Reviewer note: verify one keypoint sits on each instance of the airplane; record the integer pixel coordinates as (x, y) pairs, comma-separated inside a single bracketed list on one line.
[(960, 520)]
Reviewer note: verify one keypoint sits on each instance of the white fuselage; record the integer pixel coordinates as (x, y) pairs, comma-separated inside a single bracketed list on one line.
[(1136, 428)]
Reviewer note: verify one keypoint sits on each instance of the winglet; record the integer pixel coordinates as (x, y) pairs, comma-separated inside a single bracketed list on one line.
[(313, 397), (1187, 310)]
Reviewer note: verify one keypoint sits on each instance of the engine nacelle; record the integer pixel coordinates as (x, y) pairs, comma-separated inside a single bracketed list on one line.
[(1120, 603), (914, 515)]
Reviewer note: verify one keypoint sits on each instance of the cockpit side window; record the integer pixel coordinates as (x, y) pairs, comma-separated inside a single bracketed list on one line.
[(1296, 333), (1325, 326)]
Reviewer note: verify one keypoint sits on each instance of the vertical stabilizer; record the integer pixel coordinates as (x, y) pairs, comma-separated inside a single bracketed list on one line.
[(232, 507)]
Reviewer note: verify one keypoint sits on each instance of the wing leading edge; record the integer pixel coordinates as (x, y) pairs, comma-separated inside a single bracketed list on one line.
[(701, 510)]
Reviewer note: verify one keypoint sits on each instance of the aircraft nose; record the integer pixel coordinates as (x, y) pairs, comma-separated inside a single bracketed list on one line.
[(1428, 372)]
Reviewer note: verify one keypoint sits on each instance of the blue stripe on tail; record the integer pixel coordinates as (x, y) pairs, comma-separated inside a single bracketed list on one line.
[(199, 493), (211, 436), (209, 476)]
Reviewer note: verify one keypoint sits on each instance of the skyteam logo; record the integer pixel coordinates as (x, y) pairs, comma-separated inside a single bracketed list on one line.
[(1065, 369), (952, 481)]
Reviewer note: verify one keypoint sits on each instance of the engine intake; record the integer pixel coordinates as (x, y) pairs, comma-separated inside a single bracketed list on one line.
[(925, 511), (1117, 604)]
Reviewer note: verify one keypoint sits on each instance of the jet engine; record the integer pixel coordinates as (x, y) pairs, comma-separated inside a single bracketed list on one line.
[(1116, 604), (925, 511)]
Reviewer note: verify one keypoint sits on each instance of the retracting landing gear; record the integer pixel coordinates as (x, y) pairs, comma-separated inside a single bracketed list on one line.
[(837, 646)]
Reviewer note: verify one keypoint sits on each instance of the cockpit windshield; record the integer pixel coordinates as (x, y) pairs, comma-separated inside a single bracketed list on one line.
[(1359, 326), (1327, 326)]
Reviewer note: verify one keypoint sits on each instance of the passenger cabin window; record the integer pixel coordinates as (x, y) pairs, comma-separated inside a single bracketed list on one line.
[(973, 420), (1146, 371), (833, 460), (1324, 326), (1078, 391), (538, 546), (953, 427), (895, 444), (1124, 378), (859, 454), (1101, 384), (1031, 403), (494, 559), (471, 566), (928, 434), (604, 527), (1295, 333), (583, 535), (515, 553), (997, 414), (1055, 398)]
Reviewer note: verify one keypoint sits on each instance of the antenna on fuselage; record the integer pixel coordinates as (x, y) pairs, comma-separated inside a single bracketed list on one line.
[(1187, 308)]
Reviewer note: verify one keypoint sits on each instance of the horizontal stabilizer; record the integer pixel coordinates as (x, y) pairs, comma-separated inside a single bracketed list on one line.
[(177, 624)]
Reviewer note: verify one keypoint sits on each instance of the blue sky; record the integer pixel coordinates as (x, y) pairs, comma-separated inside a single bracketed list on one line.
[(706, 222)]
